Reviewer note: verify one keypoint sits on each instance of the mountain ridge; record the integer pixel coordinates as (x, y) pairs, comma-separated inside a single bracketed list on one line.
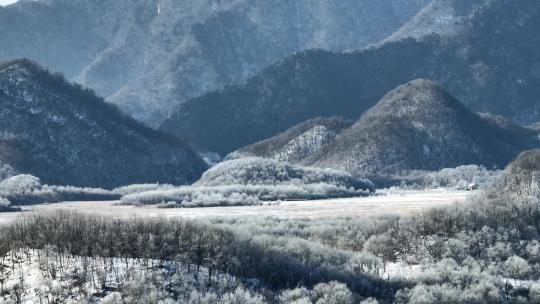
[(420, 126), (440, 17), (65, 134), (493, 67), (147, 56)]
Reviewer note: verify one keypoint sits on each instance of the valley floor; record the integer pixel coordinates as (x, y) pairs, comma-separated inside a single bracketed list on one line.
[(400, 202)]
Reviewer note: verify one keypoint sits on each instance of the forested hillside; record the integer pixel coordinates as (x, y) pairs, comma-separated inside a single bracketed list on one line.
[(65, 135), (486, 252), (298, 142)]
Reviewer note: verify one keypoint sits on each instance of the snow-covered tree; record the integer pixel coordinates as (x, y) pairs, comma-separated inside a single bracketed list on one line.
[(517, 267), (332, 293), (19, 184)]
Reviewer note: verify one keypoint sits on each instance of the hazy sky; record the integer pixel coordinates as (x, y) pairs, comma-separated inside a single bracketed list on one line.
[(6, 2)]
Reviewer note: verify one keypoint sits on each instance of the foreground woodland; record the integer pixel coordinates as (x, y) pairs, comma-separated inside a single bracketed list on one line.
[(485, 252)]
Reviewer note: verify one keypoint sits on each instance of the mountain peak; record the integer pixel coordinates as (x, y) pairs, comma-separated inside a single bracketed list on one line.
[(22, 71), (419, 99), (422, 82), (420, 126), (23, 63), (418, 90)]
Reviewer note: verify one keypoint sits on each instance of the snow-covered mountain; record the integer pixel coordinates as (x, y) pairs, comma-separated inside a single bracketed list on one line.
[(492, 65), (66, 135), (420, 126), (296, 143), (147, 56), (441, 17)]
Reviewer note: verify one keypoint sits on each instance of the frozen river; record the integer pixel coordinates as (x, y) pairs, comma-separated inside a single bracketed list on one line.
[(395, 203)]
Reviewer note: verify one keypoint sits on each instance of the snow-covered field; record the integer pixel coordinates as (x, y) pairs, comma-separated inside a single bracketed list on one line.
[(389, 203)]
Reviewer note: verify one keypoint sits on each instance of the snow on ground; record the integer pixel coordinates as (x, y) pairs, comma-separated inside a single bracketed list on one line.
[(402, 202), (45, 276)]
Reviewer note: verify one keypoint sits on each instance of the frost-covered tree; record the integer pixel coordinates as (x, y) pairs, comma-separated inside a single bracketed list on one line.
[(517, 267), (332, 293), (461, 176), (299, 295), (113, 298), (242, 296), (19, 185)]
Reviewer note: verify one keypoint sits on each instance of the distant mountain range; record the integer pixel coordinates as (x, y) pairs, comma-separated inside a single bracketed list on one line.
[(491, 62), (65, 135), (148, 56), (420, 126), (151, 57)]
